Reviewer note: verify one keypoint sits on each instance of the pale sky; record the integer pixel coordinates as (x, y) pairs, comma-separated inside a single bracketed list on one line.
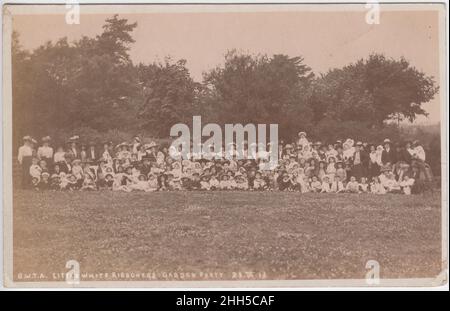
[(325, 39)]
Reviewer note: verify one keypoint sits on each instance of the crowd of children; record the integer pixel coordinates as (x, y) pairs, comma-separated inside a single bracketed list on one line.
[(339, 167)]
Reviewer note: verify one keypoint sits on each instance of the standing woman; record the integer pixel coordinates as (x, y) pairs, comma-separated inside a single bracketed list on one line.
[(302, 140), (388, 156), (73, 147), (403, 158), (374, 169), (92, 152), (45, 152), (135, 145), (418, 160), (25, 154)]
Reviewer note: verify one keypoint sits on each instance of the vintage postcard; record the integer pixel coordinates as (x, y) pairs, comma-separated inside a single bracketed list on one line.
[(211, 145)]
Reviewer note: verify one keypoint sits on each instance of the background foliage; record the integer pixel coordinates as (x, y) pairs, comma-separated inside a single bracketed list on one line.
[(92, 88)]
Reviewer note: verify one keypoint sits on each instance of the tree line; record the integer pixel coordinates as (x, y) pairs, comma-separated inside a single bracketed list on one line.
[(92, 83)]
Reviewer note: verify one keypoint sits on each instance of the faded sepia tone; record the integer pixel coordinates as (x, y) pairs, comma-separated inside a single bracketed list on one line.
[(354, 103)]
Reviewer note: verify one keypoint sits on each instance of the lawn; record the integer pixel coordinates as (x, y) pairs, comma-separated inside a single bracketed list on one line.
[(225, 235)]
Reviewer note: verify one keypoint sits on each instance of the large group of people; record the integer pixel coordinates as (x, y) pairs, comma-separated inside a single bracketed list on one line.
[(342, 166)]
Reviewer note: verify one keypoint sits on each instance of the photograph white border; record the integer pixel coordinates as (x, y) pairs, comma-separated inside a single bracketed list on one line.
[(440, 281)]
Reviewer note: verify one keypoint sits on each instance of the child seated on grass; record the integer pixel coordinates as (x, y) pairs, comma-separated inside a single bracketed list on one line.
[(376, 187), (141, 184), (316, 185), (88, 183), (305, 184), (284, 182), (407, 184), (363, 185), (214, 183), (259, 183), (204, 183), (44, 183), (325, 184), (241, 181), (152, 182), (390, 184), (337, 186), (352, 185)]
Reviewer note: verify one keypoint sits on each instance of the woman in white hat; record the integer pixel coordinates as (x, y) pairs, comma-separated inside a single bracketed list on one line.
[(302, 140), (418, 160), (379, 155), (73, 147), (388, 156), (374, 160)]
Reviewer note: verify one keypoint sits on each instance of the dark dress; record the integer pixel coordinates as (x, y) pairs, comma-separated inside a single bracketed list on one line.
[(26, 178)]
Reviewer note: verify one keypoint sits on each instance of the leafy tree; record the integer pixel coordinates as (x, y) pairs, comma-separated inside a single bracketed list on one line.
[(21, 87), (89, 82), (116, 38), (261, 89), (373, 91), (92, 84), (169, 96)]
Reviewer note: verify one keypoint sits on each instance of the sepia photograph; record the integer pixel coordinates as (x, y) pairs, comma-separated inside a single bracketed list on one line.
[(213, 145)]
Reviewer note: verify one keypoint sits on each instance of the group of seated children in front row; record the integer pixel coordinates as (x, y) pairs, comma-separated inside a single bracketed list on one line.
[(128, 181)]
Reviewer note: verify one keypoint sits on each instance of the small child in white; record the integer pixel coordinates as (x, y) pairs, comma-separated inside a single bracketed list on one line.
[(140, 184), (241, 182), (304, 184), (214, 183), (391, 184), (376, 187), (231, 181), (225, 183), (337, 186), (204, 183), (35, 169), (352, 185), (88, 183), (363, 185), (77, 169), (325, 184), (152, 182), (316, 185)]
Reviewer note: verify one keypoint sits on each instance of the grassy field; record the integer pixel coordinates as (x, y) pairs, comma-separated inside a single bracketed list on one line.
[(225, 235)]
